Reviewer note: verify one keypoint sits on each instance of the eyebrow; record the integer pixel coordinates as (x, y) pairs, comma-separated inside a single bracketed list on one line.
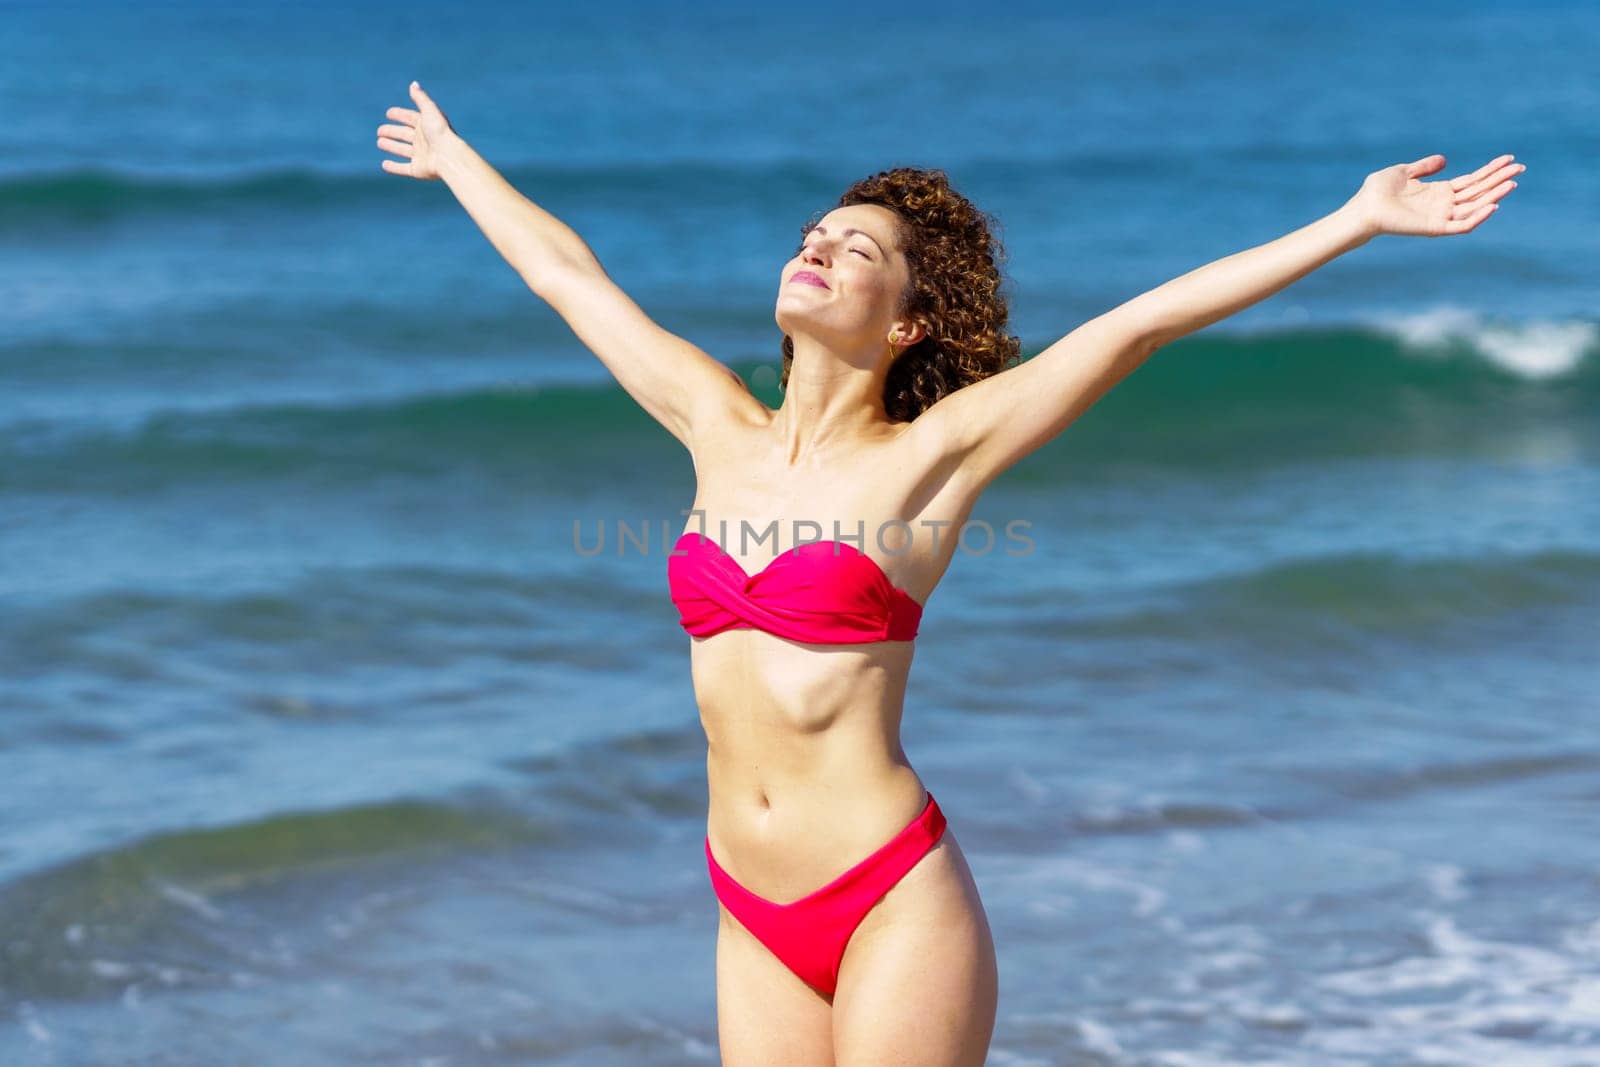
[(850, 230)]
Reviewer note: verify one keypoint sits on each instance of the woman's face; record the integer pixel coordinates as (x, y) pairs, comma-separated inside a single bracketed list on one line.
[(854, 253)]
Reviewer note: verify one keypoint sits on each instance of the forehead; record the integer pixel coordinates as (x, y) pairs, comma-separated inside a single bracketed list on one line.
[(875, 219)]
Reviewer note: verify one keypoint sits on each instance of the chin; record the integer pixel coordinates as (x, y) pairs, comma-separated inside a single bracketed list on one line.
[(787, 317)]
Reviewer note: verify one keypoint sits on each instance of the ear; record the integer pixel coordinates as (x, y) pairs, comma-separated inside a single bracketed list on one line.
[(911, 331)]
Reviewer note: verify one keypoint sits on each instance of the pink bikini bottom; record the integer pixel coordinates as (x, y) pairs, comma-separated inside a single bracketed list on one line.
[(809, 935)]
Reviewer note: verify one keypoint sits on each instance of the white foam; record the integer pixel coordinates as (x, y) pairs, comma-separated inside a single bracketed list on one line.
[(1509, 990), (1061, 870), (110, 968), (191, 900), (1222, 962), (1583, 1000), (1050, 905), (1444, 880), (1097, 1037), (30, 1022), (1232, 936), (1584, 940), (1185, 841), (1029, 786), (1540, 349), (1460, 999), (1536, 350), (1186, 1058), (1001, 1058)]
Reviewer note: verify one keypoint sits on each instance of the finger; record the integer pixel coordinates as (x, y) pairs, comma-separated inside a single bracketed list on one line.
[(1488, 197), (399, 133), (1498, 192), (399, 148), (1479, 174), (403, 114), (422, 98), (1471, 221), (1467, 211), (1493, 181), (394, 166), (1425, 165)]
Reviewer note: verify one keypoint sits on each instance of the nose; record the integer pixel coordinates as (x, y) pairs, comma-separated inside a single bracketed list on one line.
[(810, 254)]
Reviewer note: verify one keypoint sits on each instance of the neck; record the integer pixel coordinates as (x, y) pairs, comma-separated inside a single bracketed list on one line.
[(832, 400)]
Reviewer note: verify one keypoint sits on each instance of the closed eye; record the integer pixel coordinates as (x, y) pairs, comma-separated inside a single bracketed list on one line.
[(857, 251)]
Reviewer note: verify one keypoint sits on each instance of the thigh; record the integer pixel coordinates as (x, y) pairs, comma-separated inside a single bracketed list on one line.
[(766, 1016), (919, 984)]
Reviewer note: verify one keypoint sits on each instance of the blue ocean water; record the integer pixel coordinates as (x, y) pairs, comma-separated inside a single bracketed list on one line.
[(321, 743)]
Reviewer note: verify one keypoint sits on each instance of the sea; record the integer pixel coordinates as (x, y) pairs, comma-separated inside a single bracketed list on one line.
[(327, 738)]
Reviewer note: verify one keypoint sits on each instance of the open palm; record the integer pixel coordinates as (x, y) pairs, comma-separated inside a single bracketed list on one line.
[(417, 138), (1395, 201)]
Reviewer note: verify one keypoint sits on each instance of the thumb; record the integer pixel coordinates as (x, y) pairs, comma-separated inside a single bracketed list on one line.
[(1426, 165), (419, 96)]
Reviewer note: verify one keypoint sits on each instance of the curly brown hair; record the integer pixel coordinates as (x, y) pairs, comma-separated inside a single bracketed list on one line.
[(955, 288)]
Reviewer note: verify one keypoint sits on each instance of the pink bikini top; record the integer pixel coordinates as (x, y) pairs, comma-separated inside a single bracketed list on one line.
[(825, 592)]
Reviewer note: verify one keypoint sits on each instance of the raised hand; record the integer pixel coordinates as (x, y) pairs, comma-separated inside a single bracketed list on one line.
[(1393, 200), (418, 138)]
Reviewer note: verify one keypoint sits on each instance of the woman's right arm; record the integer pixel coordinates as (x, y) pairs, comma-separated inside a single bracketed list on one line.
[(677, 383)]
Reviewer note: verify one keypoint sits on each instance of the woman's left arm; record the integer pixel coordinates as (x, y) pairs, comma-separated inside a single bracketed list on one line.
[(1390, 201), (993, 423)]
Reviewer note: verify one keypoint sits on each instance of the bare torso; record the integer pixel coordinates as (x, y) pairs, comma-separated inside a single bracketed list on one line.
[(804, 765)]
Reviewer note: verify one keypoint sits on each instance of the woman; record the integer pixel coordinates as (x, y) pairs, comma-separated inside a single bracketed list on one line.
[(851, 929)]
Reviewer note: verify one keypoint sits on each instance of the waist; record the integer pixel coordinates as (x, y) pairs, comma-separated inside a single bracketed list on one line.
[(765, 746), (807, 833)]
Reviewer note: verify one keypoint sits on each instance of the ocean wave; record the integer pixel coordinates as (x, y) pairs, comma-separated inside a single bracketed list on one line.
[(424, 435), (1383, 783), (62, 928), (95, 195), (1345, 601), (390, 617), (1260, 398), (1536, 350)]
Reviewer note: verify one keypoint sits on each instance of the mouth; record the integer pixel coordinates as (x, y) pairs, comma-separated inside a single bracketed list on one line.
[(805, 277)]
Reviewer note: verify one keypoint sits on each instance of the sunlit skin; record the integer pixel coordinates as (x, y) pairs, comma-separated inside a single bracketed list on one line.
[(846, 336), (839, 333), (864, 273), (1397, 201), (803, 742)]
